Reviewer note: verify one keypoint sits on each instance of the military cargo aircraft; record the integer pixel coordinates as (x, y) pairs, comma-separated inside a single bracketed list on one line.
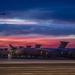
[(37, 51)]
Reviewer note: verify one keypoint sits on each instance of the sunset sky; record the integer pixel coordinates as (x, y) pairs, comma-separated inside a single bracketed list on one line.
[(30, 22)]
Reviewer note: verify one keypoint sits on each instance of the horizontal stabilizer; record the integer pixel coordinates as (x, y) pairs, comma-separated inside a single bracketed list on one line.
[(63, 44)]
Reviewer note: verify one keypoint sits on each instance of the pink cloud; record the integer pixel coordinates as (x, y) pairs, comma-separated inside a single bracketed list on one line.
[(45, 41)]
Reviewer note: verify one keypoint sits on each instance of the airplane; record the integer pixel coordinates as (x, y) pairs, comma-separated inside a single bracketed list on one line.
[(37, 51)]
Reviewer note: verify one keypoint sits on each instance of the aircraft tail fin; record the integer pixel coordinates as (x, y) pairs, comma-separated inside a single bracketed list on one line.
[(28, 46), (63, 44), (37, 46), (11, 47)]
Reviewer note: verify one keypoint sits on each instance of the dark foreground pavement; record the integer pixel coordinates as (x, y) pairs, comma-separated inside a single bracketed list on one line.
[(37, 67)]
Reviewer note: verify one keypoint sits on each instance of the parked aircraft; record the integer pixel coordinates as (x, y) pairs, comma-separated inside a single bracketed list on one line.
[(37, 51)]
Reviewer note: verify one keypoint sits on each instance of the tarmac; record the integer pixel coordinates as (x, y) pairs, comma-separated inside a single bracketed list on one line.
[(35, 61), (36, 67)]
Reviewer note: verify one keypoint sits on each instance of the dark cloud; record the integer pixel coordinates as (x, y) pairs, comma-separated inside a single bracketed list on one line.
[(29, 4), (64, 14), (6, 30), (39, 9)]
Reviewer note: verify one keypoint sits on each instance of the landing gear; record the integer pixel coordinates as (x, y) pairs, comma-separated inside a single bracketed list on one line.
[(9, 56)]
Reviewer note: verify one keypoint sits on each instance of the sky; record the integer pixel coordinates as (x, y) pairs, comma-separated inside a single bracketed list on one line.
[(30, 22)]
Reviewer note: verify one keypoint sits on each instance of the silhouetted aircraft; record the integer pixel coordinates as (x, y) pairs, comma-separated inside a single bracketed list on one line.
[(37, 51)]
